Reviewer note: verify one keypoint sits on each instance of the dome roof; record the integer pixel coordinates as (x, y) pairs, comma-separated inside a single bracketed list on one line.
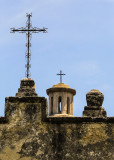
[(60, 85)]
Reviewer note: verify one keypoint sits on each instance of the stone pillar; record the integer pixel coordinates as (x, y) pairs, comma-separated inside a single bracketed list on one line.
[(50, 104), (64, 103), (55, 103), (94, 107), (71, 105)]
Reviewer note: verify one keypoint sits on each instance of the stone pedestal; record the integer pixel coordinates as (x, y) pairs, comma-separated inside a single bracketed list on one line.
[(26, 106), (27, 88), (94, 107)]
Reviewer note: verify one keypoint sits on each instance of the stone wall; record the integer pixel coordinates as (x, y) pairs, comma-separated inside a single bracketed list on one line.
[(27, 133)]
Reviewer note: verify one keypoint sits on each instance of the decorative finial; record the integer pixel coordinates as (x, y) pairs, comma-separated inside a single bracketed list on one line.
[(61, 74), (94, 107), (28, 30)]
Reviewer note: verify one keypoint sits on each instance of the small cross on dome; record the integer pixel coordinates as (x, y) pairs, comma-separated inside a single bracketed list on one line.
[(61, 74)]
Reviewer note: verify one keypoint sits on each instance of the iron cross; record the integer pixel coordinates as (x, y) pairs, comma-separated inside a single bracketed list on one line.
[(28, 30), (61, 74)]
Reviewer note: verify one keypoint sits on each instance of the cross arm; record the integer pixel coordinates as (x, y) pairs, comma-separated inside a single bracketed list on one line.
[(21, 30), (61, 74), (36, 30), (33, 30)]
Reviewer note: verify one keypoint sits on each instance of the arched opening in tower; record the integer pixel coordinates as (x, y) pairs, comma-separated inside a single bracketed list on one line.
[(59, 104)]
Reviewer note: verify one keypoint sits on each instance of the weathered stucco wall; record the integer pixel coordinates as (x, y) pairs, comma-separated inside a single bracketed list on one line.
[(26, 133)]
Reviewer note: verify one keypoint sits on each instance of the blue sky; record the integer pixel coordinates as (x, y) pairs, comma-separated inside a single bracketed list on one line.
[(80, 41)]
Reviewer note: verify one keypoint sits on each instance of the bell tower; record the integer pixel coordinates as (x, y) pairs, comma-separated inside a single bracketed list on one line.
[(61, 100)]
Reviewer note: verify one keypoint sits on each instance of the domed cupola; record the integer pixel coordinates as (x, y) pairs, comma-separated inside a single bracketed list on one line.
[(61, 99)]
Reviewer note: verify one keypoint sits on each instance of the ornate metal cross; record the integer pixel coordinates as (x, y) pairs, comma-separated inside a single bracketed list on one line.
[(61, 74), (28, 30)]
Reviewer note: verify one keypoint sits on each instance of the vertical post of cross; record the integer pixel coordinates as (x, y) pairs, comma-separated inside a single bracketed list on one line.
[(61, 74), (28, 46)]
